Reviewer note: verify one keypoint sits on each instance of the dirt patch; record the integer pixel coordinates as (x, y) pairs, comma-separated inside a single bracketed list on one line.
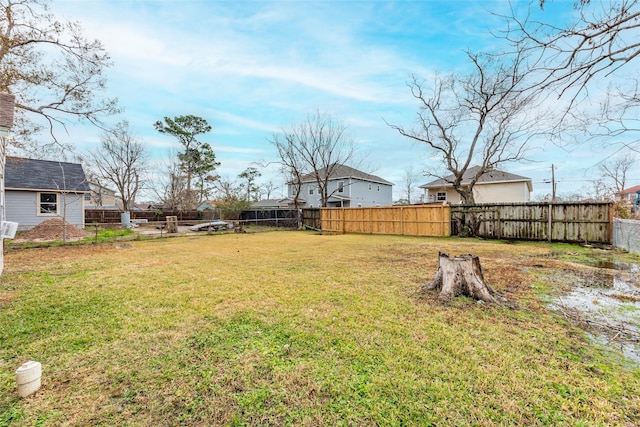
[(52, 229)]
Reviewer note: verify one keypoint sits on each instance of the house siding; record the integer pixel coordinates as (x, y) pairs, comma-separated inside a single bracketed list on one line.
[(362, 196), (101, 196), (453, 196), (499, 192), (357, 191), (22, 207), (504, 192)]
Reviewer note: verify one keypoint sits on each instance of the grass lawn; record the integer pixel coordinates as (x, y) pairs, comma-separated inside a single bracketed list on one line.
[(300, 329)]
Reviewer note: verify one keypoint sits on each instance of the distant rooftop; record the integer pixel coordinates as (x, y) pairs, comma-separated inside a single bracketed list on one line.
[(339, 171), (488, 177)]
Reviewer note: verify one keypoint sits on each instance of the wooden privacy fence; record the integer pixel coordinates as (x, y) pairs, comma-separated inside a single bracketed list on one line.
[(557, 222), (114, 215), (423, 220), (311, 218)]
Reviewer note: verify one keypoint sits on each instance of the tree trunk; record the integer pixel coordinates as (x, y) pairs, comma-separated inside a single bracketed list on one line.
[(461, 275)]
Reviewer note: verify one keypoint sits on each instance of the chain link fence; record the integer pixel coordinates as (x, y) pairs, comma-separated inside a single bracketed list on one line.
[(626, 235)]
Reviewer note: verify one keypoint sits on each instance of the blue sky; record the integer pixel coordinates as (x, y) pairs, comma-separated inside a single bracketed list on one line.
[(252, 68)]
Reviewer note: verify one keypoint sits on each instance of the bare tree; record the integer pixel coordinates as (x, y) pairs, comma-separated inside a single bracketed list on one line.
[(122, 161), (268, 188), (616, 170), (409, 178), (170, 185), (291, 164), (54, 71), (483, 119), (318, 145), (227, 188), (600, 42), (174, 191), (597, 189)]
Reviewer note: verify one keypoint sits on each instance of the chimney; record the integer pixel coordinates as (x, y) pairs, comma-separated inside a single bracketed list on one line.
[(7, 105)]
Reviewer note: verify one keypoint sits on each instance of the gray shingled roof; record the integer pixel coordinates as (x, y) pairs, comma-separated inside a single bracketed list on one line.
[(44, 175), (342, 171), (274, 202), (491, 176)]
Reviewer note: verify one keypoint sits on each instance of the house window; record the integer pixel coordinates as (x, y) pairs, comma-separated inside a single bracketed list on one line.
[(370, 187), (378, 188), (47, 204), (311, 190), (341, 187), (441, 196)]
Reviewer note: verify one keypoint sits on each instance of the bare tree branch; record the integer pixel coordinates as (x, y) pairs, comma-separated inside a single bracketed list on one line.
[(483, 118), (317, 146), (602, 41), (55, 72), (122, 161)]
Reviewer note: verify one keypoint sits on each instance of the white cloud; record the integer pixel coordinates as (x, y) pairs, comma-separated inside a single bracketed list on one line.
[(251, 68)]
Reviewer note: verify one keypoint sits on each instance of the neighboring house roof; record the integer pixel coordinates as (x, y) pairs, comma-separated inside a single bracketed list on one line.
[(490, 177), (147, 206), (99, 187), (206, 204), (34, 174), (339, 171), (104, 208), (275, 203), (631, 190)]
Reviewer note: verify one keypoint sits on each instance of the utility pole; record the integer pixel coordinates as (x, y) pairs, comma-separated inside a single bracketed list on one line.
[(553, 185)]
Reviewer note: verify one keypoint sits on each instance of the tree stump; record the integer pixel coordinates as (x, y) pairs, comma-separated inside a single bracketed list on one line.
[(461, 275), (172, 224)]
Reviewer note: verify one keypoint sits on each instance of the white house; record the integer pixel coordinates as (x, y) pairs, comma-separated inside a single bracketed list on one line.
[(492, 187), (101, 197), (628, 195), (38, 190), (347, 187)]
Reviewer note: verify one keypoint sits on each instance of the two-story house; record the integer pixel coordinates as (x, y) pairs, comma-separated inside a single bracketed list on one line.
[(493, 186), (100, 197), (346, 187)]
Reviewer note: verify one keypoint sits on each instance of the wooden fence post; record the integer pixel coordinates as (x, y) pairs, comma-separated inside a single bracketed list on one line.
[(344, 220), (549, 215), (499, 224), (612, 213)]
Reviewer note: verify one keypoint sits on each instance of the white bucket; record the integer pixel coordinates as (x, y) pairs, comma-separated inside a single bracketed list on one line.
[(28, 378)]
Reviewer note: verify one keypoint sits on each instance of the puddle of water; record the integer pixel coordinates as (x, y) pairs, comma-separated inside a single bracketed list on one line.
[(610, 304)]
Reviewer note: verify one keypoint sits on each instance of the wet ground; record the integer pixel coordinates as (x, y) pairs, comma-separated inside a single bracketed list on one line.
[(605, 299)]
